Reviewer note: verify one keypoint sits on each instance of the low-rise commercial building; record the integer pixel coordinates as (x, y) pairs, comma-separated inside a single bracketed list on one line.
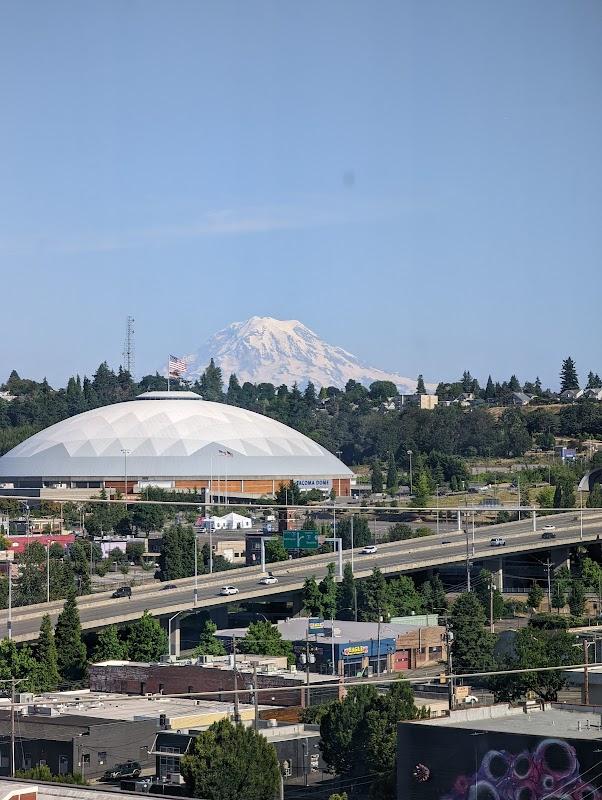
[(350, 649), (527, 752)]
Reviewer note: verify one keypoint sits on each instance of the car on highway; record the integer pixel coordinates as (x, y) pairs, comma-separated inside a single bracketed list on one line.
[(549, 527), (169, 586), (369, 549), (226, 590), (548, 535), (129, 769), (269, 580), (497, 541), (446, 541), (122, 591)]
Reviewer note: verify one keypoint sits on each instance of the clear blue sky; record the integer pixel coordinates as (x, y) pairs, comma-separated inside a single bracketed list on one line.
[(419, 182)]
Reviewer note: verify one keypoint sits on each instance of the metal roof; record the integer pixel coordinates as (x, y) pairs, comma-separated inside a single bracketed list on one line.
[(170, 435)]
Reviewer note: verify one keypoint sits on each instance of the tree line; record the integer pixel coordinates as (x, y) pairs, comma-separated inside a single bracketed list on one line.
[(348, 420)]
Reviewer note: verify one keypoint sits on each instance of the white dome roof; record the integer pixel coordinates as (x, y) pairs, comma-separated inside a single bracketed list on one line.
[(169, 435)]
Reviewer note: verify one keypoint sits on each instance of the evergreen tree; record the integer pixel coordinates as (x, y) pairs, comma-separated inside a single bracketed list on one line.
[(347, 595), (392, 480), (593, 381), (48, 677), (420, 387), (361, 531), (146, 640), (109, 646), (433, 595), (568, 375), (377, 477), (209, 644), (489, 389), (483, 587), (373, 597), (312, 598), (594, 499), (557, 496), (422, 491), (233, 394), (328, 592), (472, 647), (211, 384), (71, 650), (535, 596), (577, 598)]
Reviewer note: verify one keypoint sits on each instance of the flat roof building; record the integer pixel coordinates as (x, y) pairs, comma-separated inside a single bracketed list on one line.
[(502, 752)]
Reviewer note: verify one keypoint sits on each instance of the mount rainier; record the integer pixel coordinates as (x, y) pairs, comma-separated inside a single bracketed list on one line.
[(267, 350)]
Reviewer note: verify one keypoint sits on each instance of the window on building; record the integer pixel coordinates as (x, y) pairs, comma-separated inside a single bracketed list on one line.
[(85, 758), (287, 769), (26, 760), (190, 689), (42, 762), (161, 687), (102, 756), (63, 765)]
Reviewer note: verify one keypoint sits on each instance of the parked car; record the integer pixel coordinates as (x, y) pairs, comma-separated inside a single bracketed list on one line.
[(225, 590), (471, 699), (548, 535), (549, 527), (497, 541), (122, 591), (369, 549), (129, 769), (269, 580)]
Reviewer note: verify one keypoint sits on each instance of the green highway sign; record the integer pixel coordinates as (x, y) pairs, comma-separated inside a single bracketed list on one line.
[(300, 540)]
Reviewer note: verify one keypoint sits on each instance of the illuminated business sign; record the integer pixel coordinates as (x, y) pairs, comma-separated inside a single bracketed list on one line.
[(356, 650), (307, 484)]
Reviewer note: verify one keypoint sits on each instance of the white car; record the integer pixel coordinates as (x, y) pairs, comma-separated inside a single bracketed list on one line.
[(228, 590), (369, 549), (549, 527), (269, 580), (497, 541), (471, 699)]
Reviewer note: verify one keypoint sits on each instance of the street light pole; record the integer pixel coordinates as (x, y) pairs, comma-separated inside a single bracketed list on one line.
[(409, 452), (351, 531), (196, 569), (437, 492), (126, 453)]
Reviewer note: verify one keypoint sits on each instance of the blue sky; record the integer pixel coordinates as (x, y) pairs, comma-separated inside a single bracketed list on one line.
[(419, 182)]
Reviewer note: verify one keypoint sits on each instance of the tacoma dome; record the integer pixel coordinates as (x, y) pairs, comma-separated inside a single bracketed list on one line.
[(172, 440)]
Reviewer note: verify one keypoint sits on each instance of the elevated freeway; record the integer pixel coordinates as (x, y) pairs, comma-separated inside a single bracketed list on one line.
[(412, 555)]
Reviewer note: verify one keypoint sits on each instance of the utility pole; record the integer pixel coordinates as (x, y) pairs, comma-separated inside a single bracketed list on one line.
[(9, 621), (549, 567), (307, 689), (586, 645), (449, 637), (196, 569), (468, 588), (236, 706), (351, 531), (378, 645), (12, 728), (255, 698), (491, 625), (48, 572)]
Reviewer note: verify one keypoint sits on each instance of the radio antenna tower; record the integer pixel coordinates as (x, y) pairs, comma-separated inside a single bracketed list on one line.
[(128, 347)]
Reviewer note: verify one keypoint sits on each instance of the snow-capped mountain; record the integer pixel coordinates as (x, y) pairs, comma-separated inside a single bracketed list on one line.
[(263, 349)]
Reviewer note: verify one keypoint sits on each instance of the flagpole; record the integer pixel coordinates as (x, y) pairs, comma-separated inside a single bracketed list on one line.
[(168, 368)]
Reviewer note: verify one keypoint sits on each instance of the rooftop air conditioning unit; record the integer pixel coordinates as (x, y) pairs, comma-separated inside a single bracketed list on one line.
[(272, 723), (24, 697), (175, 777)]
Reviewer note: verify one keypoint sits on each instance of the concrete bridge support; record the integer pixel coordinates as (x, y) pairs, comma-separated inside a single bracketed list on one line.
[(560, 557)]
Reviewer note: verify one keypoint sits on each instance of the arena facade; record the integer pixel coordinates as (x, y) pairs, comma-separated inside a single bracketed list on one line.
[(172, 440)]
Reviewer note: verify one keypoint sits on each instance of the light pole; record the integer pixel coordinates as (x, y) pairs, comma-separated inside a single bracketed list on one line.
[(581, 515), (437, 494), (196, 569), (126, 453), (410, 453)]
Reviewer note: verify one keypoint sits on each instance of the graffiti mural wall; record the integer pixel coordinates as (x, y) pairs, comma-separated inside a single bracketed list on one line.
[(437, 763)]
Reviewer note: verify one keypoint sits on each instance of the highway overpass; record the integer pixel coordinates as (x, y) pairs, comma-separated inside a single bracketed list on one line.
[(412, 555)]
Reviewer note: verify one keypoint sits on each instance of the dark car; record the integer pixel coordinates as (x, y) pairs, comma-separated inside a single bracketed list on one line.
[(169, 586), (123, 591), (129, 769), (548, 535)]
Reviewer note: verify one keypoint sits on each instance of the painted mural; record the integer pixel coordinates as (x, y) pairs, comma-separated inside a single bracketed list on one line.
[(550, 771)]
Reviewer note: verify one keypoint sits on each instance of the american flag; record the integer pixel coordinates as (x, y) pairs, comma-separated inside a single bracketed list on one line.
[(177, 366), (225, 453)]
